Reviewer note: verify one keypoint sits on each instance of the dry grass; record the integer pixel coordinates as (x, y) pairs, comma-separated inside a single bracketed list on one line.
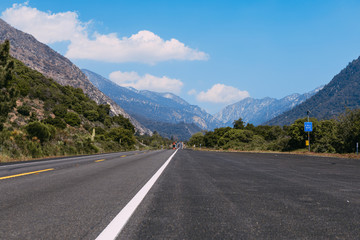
[(7, 159), (297, 152)]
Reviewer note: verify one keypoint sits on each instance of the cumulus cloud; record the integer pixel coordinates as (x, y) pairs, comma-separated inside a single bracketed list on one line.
[(47, 27), (220, 93), (146, 82), (144, 46)]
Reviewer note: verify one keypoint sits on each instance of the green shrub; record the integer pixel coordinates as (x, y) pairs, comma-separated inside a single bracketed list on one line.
[(108, 121), (34, 149), (72, 119), (5, 108), (77, 108), (122, 135), (123, 122), (24, 88), (39, 130), (60, 110), (99, 131), (87, 126), (92, 115), (197, 139), (33, 117), (236, 136), (24, 110), (56, 122)]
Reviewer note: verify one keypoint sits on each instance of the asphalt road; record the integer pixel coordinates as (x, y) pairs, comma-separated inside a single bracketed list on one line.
[(75, 198), (200, 195), (207, 195)]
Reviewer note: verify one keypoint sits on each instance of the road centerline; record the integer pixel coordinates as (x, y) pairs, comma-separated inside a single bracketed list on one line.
[(27, 173), (118, 223)]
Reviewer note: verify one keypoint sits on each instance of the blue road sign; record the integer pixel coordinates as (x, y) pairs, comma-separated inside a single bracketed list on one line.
[(308, 126)]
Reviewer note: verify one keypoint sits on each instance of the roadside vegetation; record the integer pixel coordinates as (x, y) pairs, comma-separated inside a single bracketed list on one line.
[(328, 136), (39, 117)]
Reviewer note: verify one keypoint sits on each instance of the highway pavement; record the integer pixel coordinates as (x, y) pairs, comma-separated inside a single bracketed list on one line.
[(208, 195), (200, 195), (74, 198)]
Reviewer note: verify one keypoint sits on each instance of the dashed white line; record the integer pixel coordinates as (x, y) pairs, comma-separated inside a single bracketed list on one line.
[(117, 224)]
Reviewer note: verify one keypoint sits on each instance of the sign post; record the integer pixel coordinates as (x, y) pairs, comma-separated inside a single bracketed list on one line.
[(308, 127)]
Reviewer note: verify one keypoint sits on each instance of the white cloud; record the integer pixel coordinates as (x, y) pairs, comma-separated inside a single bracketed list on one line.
[(146, 82), (144, 46), (192, 92), (47, 27), (220, 93)]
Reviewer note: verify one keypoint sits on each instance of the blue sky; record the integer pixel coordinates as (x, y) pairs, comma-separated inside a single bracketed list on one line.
[(221, 52)]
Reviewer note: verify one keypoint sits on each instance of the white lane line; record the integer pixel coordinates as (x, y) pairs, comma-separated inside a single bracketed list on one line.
[(117, 224)]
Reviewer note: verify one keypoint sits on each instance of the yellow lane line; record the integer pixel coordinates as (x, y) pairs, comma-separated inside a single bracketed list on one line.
[(28, 173), (100, 160)]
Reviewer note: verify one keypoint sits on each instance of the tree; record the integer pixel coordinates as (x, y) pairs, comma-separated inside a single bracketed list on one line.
[(239, 124), (297, 133), (6, 65), (210, 139), (197, 139), (326, 137), (103, 111), (4, 53), (57, 122), (72, 119), (349, 130), (234, 137), (125, 136), (92, 115), (60, 110)]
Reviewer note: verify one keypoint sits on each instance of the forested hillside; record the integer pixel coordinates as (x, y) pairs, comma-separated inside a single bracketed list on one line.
[(40, 117), (51, 64)]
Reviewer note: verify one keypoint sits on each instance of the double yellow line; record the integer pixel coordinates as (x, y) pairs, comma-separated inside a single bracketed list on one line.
[(24, 174)]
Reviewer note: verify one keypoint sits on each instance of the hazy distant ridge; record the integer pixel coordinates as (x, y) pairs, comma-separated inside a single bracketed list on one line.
[(258, 111), (155, 109)]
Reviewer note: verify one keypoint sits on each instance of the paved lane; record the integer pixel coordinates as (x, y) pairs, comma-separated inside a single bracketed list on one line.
[(206, 195), (76, 199)]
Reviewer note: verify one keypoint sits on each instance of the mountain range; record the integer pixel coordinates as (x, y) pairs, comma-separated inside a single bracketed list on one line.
[(164, 112), (341, 93), (51, 64), (258, 111), (152, 106)]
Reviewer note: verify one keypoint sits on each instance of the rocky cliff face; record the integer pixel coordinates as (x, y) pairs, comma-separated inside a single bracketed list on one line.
[(51, 64)]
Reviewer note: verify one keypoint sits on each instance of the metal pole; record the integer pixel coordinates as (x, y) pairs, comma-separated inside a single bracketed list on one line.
[(308, 132), (357, 148)]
